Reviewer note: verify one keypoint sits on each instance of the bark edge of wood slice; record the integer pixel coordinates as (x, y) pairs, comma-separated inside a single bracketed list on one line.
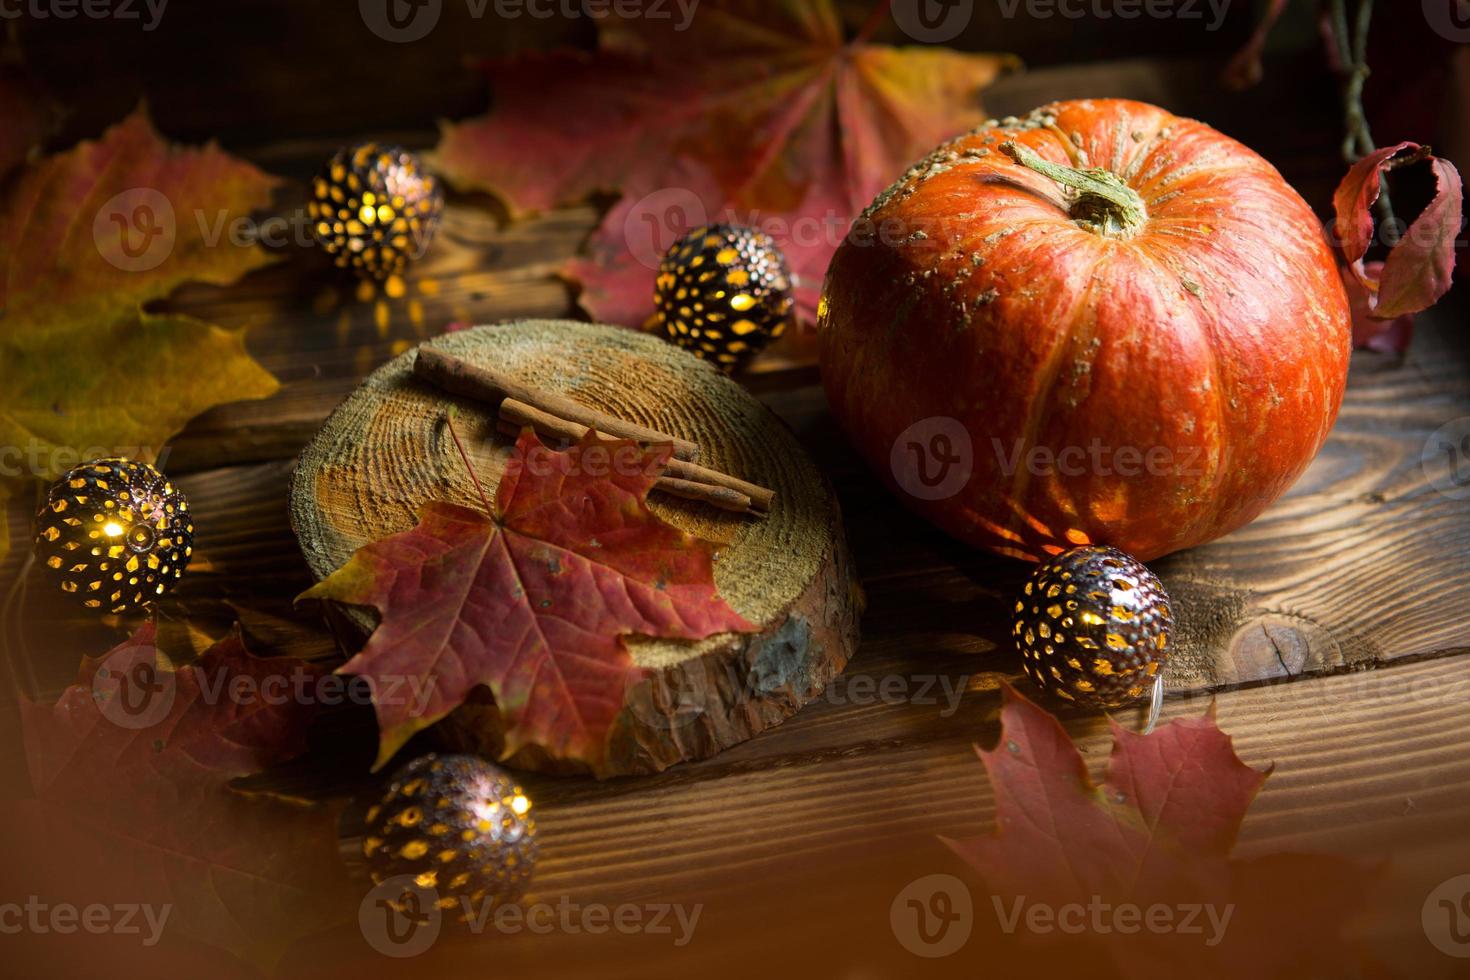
[(385, 451)]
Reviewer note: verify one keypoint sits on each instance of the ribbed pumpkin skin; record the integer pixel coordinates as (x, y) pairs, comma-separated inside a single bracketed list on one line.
[(1217, 336)]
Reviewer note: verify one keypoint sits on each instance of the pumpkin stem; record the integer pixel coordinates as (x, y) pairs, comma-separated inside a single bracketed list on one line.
[(1104, 204)]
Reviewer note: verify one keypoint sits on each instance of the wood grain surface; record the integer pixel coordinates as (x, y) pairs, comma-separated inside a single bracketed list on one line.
[(796, 842), (386, 451)]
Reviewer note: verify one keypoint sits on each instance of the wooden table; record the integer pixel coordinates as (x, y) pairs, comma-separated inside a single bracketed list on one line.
[(795, 843)]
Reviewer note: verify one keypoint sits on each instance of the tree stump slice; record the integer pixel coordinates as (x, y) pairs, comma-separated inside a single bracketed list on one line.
[(386, 450)]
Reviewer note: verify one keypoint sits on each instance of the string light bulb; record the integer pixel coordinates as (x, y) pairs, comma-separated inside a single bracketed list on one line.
[(724, 292), (116, 535), (1093, 627), (458, 825)]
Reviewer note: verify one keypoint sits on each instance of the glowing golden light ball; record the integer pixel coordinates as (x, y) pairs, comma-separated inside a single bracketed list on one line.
[(723, 292), (374, 209), (456, 825), (1093, 626), (115, 533)]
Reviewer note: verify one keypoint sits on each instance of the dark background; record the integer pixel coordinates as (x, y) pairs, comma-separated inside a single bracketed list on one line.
[(260, 74)]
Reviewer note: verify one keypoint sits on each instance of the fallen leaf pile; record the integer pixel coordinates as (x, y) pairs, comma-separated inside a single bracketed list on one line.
[(532, 601), (759, 113), (131, 771), (1158, 831)]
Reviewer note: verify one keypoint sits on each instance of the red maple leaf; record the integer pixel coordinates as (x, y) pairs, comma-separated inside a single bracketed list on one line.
[(752, 113), (131, 770), (532, 601), (1157, 832)]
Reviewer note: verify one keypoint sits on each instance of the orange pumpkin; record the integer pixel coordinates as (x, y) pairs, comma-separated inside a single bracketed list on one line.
[(1099, 324)]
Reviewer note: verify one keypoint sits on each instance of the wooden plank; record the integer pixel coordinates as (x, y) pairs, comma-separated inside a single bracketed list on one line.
[(806, 850), (798, 840), (1362, 562)]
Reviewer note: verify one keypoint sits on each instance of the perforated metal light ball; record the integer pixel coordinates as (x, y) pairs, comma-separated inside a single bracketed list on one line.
[(375, 208), (457, 825), (723, 292), (115, 533), (1093, 625)]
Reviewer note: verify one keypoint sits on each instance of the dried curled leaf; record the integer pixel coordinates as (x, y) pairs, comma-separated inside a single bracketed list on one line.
[(1420, 265)]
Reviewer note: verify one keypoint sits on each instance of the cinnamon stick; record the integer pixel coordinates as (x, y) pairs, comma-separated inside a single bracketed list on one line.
[(459, 377), (558, 428), (721, 497)]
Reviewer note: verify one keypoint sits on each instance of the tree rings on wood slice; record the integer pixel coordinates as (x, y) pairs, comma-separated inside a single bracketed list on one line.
[(385, 451)]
